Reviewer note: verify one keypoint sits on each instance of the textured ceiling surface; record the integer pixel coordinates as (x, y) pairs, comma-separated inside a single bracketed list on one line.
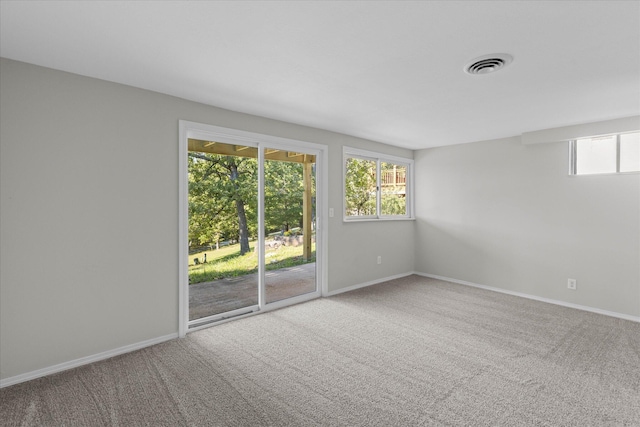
[(386, 71)]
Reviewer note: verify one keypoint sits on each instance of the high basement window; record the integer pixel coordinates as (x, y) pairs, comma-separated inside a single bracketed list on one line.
[(608, 154)]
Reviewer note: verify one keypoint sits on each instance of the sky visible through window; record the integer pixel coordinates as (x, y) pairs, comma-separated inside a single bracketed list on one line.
[(599, 155)]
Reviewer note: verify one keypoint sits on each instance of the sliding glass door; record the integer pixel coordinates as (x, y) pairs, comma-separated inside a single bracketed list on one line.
[(251, 232), (289, 223)]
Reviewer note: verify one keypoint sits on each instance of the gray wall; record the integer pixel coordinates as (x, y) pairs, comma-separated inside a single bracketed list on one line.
[(507, 215), (89, 214)]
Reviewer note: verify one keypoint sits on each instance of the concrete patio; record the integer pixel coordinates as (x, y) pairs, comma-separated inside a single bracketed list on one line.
[(220, 296)]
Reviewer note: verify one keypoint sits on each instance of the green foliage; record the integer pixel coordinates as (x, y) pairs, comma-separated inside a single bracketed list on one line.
[(228, 262), (360, 187), (393, 179), (217, 186), (283, 195), (393, 204), (223, 197)]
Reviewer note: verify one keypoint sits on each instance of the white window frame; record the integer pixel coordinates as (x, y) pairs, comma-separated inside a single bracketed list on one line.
[(573, 155), (350, 152)]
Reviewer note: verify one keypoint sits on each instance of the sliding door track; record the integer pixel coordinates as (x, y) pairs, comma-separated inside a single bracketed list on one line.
[(207, 321)]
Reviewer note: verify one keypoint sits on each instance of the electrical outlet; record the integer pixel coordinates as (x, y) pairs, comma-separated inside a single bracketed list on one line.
[(330, 212), (379, 259), (572, 284)]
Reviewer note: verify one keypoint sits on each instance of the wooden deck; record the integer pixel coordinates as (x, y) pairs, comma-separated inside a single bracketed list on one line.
[(220, 296)]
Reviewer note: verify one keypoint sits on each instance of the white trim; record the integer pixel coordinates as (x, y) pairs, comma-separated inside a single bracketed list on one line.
[(183, 233), (370, 283), (322, 222), (84, 361), (262, 290), (233, 136), (534, 297), (382, 218), (374, 155)]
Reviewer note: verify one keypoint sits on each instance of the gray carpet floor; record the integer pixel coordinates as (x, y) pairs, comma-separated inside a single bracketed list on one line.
[(411, 352)]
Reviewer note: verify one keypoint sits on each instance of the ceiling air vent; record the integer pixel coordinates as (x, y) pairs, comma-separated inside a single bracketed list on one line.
[(488, 63)]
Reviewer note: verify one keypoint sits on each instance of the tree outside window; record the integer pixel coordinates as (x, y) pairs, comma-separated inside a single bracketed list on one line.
[(375, 186)]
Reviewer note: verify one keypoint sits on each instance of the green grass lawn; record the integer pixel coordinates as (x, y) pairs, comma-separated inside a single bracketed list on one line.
[(227, 262)]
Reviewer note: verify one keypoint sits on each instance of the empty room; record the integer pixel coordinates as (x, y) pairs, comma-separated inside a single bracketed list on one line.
[(319, 213)]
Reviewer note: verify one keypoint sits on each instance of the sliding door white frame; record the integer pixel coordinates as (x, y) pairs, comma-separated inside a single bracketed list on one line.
[(233, 136)]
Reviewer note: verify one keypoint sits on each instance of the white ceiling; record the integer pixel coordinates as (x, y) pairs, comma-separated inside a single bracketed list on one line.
[(387, 71)]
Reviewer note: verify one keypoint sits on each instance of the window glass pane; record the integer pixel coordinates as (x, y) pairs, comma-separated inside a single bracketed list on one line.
[(630, 152), (360, 187), (393, 183), (289, 221), (596, 155), (222, 233)]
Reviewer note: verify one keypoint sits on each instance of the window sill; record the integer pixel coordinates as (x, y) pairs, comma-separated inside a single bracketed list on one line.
[(573, 175), (350, 220)]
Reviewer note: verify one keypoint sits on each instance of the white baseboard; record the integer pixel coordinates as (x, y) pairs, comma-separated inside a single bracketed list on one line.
[(83, 361), (534, 297), (362, 285)]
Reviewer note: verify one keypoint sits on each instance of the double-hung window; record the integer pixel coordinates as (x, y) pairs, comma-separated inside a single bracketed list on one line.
[(376, 186), (618, 153)]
